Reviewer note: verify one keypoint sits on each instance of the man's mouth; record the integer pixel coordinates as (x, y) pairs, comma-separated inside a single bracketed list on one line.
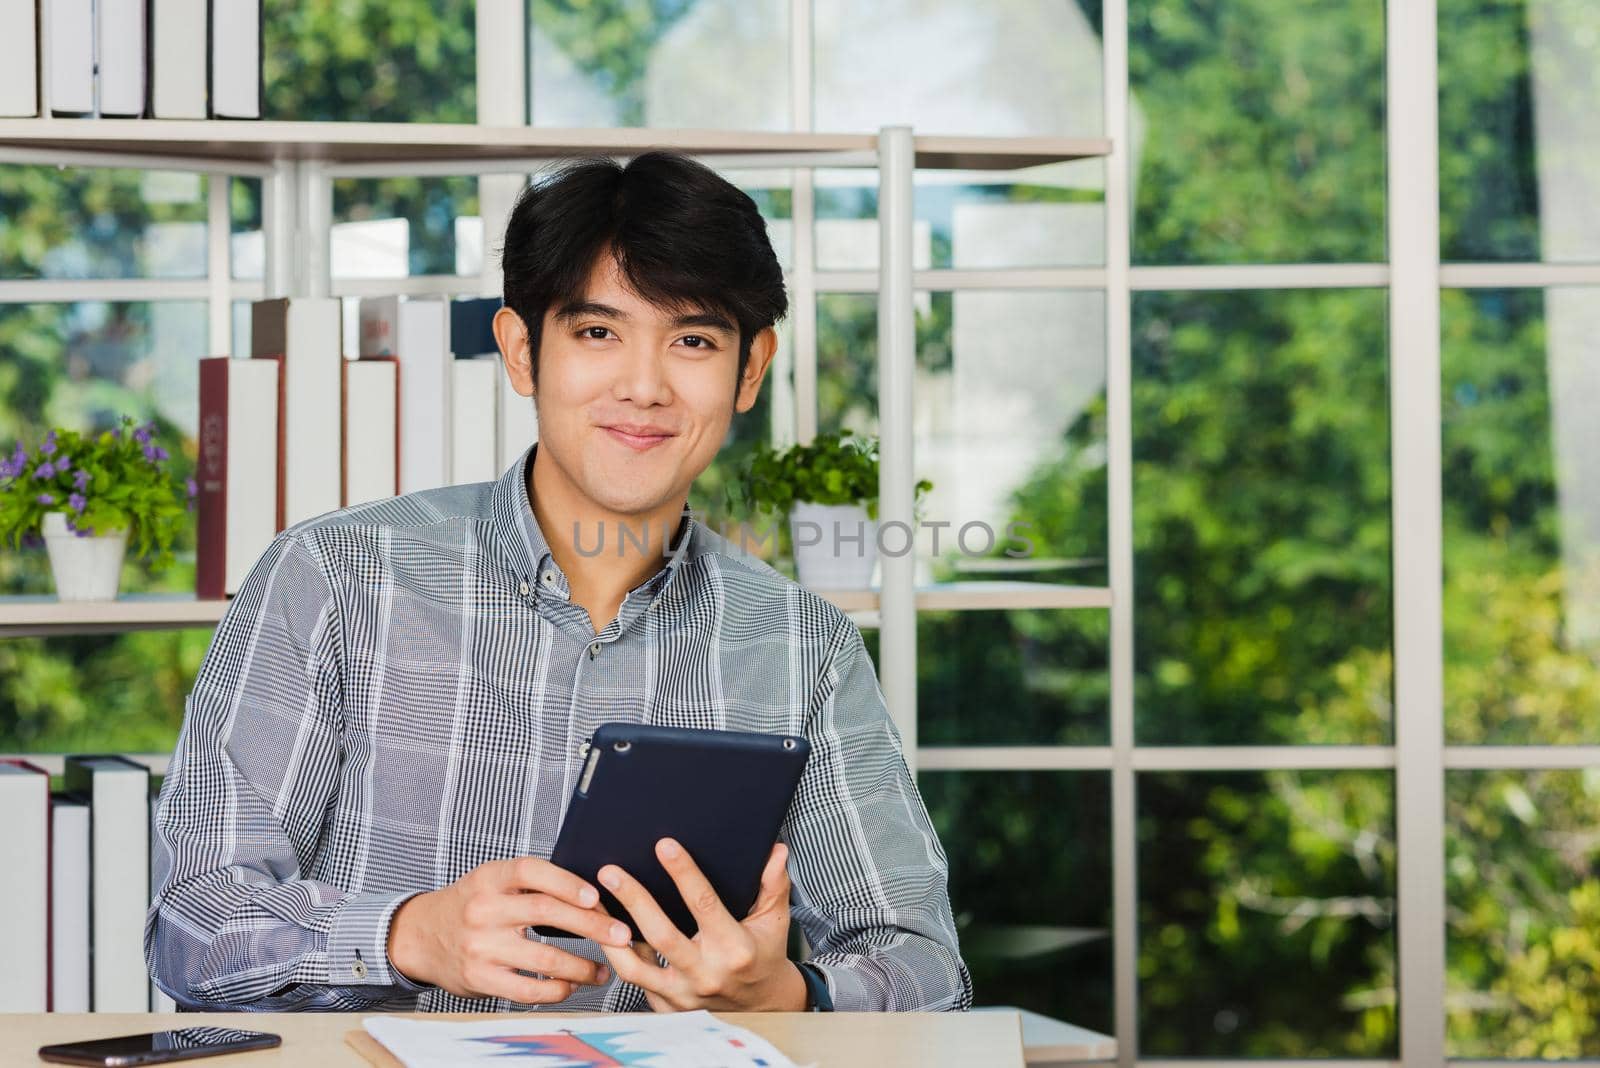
[(636, 436)]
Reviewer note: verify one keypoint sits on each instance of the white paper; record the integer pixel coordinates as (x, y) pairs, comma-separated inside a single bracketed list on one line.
[(675, 1040)]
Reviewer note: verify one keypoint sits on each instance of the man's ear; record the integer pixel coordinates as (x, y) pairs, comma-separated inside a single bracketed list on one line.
[(511, 334), (762, 348)]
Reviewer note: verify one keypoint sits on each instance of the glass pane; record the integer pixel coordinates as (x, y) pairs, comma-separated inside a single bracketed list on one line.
[(84, 366), (1030, 885), (1257, 131), (394, 227), (1519, 172), (1521, 478), (1004, 68), (1524, 912), (1261, 517), (698, 64), (370, 61), (247, 244), (93, 223), (1022, 677), (106, 693), (1052, 216), (1266, 914), (1011, 431)]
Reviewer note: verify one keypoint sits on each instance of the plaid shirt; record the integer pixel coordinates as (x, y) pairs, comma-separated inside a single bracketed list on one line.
[(398, 694)]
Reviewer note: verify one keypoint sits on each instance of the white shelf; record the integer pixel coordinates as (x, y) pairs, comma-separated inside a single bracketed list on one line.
[(256, 143), (981, 596), (45, 616)]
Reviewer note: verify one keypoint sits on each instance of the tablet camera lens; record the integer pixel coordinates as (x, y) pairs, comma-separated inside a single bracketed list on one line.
[(622, 747), (788, 743)]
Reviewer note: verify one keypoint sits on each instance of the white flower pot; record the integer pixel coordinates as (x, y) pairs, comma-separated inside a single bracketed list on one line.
[(85, 569), (835, 545)]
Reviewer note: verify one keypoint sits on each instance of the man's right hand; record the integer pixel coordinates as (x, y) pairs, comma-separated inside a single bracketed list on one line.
[(469, 939)]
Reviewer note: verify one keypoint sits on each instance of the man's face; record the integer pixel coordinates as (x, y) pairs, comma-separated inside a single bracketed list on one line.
[(634, 400)]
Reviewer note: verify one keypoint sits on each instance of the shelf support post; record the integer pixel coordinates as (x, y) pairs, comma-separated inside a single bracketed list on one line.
[(897, 363)]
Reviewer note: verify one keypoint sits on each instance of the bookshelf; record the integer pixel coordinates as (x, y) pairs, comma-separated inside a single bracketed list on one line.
[(299, 161)]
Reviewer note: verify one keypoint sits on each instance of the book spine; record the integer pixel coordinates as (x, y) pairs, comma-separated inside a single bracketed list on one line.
[(211, 548)]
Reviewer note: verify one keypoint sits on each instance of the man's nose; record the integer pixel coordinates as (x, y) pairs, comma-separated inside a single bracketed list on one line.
[(643, 378)]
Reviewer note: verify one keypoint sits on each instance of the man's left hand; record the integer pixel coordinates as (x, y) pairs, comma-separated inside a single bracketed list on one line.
[(729, 964)]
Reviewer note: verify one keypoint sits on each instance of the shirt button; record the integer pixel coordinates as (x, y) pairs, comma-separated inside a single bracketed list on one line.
[(548, 578), (524, 589), (594, 650), (359, 969)]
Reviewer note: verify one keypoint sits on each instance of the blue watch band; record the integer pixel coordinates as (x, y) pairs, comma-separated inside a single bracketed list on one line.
[(817, 997)]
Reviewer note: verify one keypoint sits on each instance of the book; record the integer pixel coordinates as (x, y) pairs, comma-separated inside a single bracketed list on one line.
[(69, 904), (371, 418), (417, 333), (474, 455), (25, 887), (472, 326), (177, 58), (120, 63), (519, 423), (238, 447), (67, 54), (19, 60), (304, 336), (118, 792), (669, 1040), (234, 58)]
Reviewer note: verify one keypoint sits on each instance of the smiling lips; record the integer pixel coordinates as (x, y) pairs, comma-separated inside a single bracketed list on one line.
[(636, 436)]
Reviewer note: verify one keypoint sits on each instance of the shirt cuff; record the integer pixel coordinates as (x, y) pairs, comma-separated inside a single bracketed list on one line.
[(358, 944)]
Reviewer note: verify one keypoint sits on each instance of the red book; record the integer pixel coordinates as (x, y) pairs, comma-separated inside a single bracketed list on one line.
[(239, 499)]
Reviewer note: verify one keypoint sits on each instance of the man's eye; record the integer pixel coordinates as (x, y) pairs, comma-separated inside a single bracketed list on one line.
[(596, 333), (695, 341)]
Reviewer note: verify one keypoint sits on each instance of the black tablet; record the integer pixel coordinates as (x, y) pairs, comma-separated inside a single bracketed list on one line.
[(722, 794)]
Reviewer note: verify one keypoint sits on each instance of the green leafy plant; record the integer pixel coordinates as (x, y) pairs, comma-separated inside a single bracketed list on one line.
[(115, 481), (837, 468)]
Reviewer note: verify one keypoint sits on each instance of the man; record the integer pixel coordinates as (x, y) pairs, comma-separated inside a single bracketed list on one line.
[(384, 733)]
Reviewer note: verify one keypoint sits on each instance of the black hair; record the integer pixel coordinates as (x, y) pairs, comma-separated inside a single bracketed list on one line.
[(683, 237)]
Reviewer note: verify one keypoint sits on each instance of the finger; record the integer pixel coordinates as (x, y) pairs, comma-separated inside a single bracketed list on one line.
[(541, 876), (542, 910), (657, 929), (702, 898), (516, 951), (632, 966), (774, 882), (525, 990)]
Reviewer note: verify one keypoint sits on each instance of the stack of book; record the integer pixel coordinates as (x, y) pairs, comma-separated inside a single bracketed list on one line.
[(300, 428), (162, 59), (75, 887)]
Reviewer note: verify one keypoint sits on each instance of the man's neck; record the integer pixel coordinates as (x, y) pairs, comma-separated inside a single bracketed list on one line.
[(602, 553)]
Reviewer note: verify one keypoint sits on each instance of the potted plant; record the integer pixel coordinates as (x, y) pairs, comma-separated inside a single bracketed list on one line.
[(829, 491), (87, 496)]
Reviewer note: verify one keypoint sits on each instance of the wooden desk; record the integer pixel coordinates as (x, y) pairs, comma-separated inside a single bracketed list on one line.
[(829, 1040)]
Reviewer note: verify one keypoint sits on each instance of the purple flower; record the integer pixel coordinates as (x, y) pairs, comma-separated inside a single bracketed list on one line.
[(116, 432), (142, 435), (161, 454), (154, 453), (77, 501), (82, 479), (45, 470), (190, 487), (83, 532), (20, 457), (45, 498), (49, 446), (63, 463), (7, 469)]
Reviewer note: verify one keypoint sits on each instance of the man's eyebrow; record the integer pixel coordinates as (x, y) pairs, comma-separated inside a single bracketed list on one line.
[(578, 309), (711, 320)]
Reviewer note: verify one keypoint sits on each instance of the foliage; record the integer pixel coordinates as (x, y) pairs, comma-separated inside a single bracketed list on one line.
[(113, 481), (838, 468)]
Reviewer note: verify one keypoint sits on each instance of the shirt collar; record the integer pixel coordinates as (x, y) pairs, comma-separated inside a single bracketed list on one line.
[(511, 512)]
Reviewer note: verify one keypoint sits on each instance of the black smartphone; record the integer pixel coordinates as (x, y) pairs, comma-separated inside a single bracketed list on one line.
[(160, 1047)]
